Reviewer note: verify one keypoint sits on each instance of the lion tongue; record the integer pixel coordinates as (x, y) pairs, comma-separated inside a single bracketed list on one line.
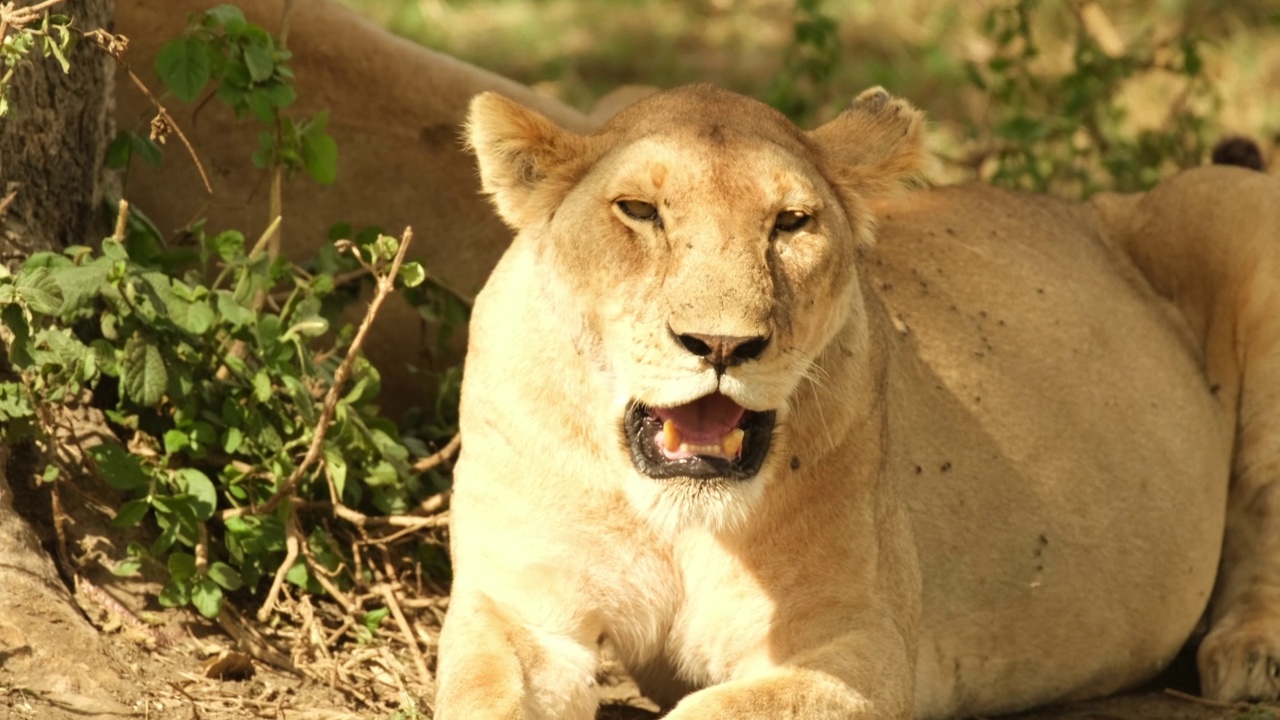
[(706, 426)]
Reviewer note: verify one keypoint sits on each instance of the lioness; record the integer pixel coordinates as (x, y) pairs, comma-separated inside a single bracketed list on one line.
[(798, 445)]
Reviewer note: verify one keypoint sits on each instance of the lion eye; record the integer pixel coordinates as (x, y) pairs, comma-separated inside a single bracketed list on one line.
[(790, 221), (639, 210)]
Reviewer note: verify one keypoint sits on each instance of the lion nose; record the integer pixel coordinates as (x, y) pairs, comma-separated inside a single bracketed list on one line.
[(724, 350)]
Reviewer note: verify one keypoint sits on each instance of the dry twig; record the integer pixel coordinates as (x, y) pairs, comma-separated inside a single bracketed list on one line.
[(1240, 706), (249, 640), (389, 596), (16, 17), (122, 221), (163, 124), (445, 453), (293, 541)]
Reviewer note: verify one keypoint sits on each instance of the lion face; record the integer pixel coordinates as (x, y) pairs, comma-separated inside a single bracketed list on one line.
[(707, 250), (719, 268)]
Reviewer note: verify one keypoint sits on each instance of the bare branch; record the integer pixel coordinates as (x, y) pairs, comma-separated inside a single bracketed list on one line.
[(442, 455), (163, 123)]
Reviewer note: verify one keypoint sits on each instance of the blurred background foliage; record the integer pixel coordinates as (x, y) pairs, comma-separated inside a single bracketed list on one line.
[(1070, 96)]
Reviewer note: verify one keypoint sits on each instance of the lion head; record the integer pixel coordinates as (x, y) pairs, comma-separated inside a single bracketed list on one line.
[(703, 252)]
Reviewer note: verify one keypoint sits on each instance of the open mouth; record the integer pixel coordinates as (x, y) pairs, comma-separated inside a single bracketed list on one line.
[(711, 437)]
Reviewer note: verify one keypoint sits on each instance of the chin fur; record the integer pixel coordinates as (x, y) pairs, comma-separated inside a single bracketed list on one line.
[(676, 504)]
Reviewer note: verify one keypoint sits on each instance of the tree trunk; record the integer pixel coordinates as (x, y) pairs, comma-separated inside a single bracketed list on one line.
[(52, 145), (53, 142)]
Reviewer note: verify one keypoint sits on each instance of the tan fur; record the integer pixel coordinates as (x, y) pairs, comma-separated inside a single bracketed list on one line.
[(396, 112), (1005, 427)]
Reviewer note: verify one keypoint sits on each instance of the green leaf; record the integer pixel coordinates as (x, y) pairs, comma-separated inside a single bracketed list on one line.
[(104, 357), (225, 575), (175, 594), (262, 386), (56, 49), (119, 151), (337, 464), (127, 568), (184, 66), (301, 398), (258, 534), (114, 250), (232, 440), (259, 102), (234, 312), (40, 291), (175, 441), (165, 541), (196, 318), (127, 144), (146, 148), (120, 469), (81, 285), (313, 326), (259, 57), (298, 574), (385, 247), (269, 332), (198, 486), (229, 17), (143, 373), (1191, 62), (373, 618), (20, 348), (381, 475), (182, 566), (232, 96), (88, 372), (202, 436), (320, 157), (15, 404), (281, 94), (412, 274), (51, 260), (131, 513), (229, 245), (339, 231)]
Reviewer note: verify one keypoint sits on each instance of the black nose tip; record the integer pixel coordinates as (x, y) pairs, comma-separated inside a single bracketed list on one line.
[(724, 350)]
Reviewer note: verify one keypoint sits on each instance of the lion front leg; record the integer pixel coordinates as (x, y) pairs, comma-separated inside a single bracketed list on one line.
[(492, 667), (1207, 239), (859, 676), (1240, 657)]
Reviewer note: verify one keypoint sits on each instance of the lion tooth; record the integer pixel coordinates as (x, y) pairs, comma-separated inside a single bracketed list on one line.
[(670, 437), (732, 442)]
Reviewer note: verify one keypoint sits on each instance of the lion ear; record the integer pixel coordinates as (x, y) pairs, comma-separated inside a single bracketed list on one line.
[(527, 162), (873, 145)]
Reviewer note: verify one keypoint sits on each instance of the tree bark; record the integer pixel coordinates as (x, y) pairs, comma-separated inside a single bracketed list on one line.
[(53, 142), (52, 145)]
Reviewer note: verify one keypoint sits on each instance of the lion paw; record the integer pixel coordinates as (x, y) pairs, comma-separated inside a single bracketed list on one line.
[(1241, 662)]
